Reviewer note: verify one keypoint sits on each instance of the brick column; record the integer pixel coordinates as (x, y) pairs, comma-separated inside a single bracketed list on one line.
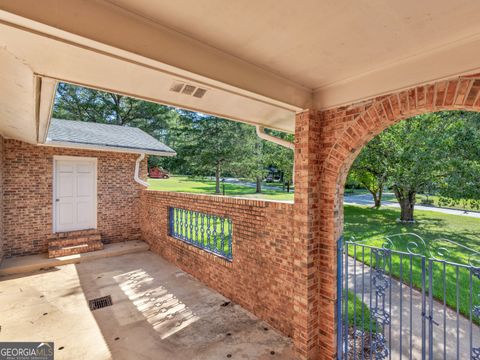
[(306, 321), (314, 254)]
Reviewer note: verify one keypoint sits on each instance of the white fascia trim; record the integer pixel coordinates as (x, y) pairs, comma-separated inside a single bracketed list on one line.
[(46, 98)]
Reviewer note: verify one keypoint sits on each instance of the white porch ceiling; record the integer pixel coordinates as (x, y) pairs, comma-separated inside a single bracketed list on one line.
[(261, 61)]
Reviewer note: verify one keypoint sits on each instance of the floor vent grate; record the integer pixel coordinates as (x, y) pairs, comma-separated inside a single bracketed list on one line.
[(100, 302)]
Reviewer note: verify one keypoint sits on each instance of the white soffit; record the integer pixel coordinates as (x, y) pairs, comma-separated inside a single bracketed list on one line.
[(17, 98), (344, 51), (258, 62), (67, 57)]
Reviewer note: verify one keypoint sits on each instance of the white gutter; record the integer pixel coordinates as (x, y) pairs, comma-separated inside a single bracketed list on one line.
[(136, 177), (123, 150), (263, 135)]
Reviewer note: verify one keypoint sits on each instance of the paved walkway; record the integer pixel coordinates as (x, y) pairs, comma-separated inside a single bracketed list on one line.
[(413, 320), (366, 199)]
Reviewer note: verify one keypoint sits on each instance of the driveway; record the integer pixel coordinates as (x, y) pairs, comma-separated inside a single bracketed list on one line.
[(251, 184), (367, 200), (158, 312)]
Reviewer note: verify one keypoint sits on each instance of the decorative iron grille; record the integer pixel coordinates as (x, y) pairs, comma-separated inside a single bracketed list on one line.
[(209, 232)]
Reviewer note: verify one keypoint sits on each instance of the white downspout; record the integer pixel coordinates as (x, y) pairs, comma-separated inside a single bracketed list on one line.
[(136, 177), (263, 135)]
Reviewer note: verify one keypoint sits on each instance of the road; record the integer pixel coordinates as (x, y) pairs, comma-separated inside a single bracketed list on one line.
[(366, 199), (251, 184)]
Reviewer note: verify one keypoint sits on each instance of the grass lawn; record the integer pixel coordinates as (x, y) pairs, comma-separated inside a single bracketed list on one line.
[(201, 186), (388, 196), (436, 203), (359, 314), (434, 198), (371, 226)]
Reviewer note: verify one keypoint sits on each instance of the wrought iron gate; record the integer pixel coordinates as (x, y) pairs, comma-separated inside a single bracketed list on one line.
[(408, 298)]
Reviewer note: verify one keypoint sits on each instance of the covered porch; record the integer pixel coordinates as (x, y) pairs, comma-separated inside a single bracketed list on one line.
[(335, 75)]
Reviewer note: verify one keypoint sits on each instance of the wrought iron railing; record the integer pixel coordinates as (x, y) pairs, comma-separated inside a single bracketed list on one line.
[(209, 232), (408, 298)]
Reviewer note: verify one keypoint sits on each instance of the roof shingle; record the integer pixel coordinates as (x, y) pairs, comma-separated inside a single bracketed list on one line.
[(90, 135)]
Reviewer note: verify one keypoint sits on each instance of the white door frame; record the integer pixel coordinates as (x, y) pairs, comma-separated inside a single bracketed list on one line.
[(54, 185)]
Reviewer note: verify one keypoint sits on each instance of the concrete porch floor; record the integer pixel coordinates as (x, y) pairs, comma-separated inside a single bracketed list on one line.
[(31, 263), (158, 312)]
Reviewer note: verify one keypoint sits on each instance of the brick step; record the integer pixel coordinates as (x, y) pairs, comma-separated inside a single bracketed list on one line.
[(54, 252), (72, 234), (73, 241)]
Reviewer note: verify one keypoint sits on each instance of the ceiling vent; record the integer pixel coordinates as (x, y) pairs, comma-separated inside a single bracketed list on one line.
[(199, 92), (177, 87), (188, 89)]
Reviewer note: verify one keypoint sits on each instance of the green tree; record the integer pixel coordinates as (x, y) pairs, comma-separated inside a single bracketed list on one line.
[(280, 157), (370, 168), (213, 145), (461, 183), (83, 104), (433, 151), (260, 155), (254, 164), (78, 103), (416, 155)]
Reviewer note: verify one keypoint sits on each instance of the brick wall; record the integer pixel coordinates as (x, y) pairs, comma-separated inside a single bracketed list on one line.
[(260, 277), (327, 143), (1, 199), (27, 196)]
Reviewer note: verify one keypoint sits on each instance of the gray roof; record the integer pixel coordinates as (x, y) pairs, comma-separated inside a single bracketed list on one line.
[(88, 135)]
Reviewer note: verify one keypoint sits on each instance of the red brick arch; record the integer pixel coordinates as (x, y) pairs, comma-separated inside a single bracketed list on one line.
[(327, 142), (360, 123)]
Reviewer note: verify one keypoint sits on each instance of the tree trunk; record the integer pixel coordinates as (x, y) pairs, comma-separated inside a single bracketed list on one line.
[(259, 185), (406, 199), (288, 186), (406, 211), (217, 179), (378, 198), (380, 194)]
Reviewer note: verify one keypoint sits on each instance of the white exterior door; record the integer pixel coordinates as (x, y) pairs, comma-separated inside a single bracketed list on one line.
[(75, 193)]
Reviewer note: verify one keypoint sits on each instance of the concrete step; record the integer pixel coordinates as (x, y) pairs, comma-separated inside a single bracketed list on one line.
[(27, 264)]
